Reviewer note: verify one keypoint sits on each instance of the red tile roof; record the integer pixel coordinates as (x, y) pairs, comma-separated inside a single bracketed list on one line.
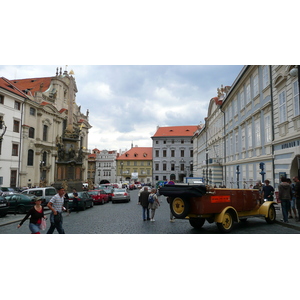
[(32, 84), (7, 85), (175, 131), (137, 153)]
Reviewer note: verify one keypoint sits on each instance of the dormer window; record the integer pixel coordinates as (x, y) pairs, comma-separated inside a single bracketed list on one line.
[(135, 155), (145, 154)]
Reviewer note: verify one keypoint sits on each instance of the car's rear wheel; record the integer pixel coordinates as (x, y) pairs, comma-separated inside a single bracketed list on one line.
[(180, 207), (270, 219), (197, 223), (227, 223), (21, 209)]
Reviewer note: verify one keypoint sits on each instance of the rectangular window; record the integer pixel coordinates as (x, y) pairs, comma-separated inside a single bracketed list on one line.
[(1, 99), (267, 129), (16, 126), (255, 86), (31, 133), (182, 153), (282, 107), (156, 153), (13, 178), (172, 167), (15, 150), (235, 107), (248, 96), (17, 105), (164, 167), (172, 153), (181, 167), (45, 133), (243, 139), (296, 99), (249, 131), (266, 80), (164, 153), (257, 133), (32, 111), (236, 143), (242, 100), (156, 167), (191, 153)]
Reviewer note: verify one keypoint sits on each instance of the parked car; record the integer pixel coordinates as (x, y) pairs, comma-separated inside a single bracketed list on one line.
[(46, 193), (21, 203), (99, 196), (6, 191), (120, 195), (4, 206), (84, 200), (109, 191)]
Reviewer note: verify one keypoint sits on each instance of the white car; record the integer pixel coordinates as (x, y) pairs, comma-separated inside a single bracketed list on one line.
[(120, 195)]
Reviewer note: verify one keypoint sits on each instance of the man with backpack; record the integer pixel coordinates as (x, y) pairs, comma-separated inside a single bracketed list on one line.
[(143, 200)]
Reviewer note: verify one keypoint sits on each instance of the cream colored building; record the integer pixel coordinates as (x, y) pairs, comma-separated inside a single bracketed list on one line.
[(52, 119)]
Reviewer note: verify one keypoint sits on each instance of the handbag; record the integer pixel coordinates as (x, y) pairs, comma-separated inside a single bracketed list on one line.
[(43, 224)]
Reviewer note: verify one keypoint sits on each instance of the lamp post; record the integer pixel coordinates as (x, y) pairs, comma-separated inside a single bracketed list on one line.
[(238, 176), (262, 173), (121, 171)]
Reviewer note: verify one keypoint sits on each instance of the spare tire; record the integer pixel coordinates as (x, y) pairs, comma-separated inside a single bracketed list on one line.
[(180, 207)]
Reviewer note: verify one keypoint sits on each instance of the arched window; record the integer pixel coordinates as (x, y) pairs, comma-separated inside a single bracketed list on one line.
[(30, 157)]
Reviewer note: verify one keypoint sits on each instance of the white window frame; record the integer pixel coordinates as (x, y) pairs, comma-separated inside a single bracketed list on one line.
[(242, 99), (266, 80), (236, 142), (249, 134), (296, 98), (282, 106), (243, 139), (268, 129), (248, 94), (235, 107), (255, 86), (257, 133)]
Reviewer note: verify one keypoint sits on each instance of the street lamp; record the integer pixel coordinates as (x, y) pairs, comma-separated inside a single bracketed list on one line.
[(262, 173), (238, 176), (121, 170)]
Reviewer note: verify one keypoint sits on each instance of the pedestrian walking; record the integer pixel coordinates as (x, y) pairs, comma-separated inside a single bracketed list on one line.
[(36, 213), (153, 205), (285, 196), (143, 200), (297, 195), (267, 191), (56, 205), (172, 218), (293, 200)]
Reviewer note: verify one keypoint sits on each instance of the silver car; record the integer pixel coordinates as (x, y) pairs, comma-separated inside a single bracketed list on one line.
[(120, 195)]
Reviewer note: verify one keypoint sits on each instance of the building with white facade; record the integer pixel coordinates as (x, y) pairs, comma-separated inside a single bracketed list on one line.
[(173, 153), (11, 115), (106, 166), (252, 130)]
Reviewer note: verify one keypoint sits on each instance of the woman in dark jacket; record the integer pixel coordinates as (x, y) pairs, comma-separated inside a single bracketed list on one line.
[(36, 213)]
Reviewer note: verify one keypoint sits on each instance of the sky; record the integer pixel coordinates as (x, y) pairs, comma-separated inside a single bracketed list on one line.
[(126, 103)]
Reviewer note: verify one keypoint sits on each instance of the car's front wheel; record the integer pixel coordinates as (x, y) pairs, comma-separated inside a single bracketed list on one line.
[(227, 223), (270, 219)]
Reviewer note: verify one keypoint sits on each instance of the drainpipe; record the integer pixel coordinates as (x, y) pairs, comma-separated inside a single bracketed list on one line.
[(272, 122), (20, 151), (224, 166)]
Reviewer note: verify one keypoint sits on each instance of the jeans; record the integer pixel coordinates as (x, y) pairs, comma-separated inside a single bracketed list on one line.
[(285, 206), (34, 228), (145, 210), (57, 225)]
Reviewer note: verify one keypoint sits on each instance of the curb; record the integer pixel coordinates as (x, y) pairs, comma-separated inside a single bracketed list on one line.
[(289, 225), (19, 218)]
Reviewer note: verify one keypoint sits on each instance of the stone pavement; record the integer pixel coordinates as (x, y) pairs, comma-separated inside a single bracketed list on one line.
[(11, 218)]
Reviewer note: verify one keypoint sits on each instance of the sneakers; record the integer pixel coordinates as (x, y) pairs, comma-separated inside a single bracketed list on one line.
[(152, 220), (172, 220)]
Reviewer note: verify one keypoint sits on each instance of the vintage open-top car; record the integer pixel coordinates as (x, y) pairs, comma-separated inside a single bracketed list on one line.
[(221, 205)]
